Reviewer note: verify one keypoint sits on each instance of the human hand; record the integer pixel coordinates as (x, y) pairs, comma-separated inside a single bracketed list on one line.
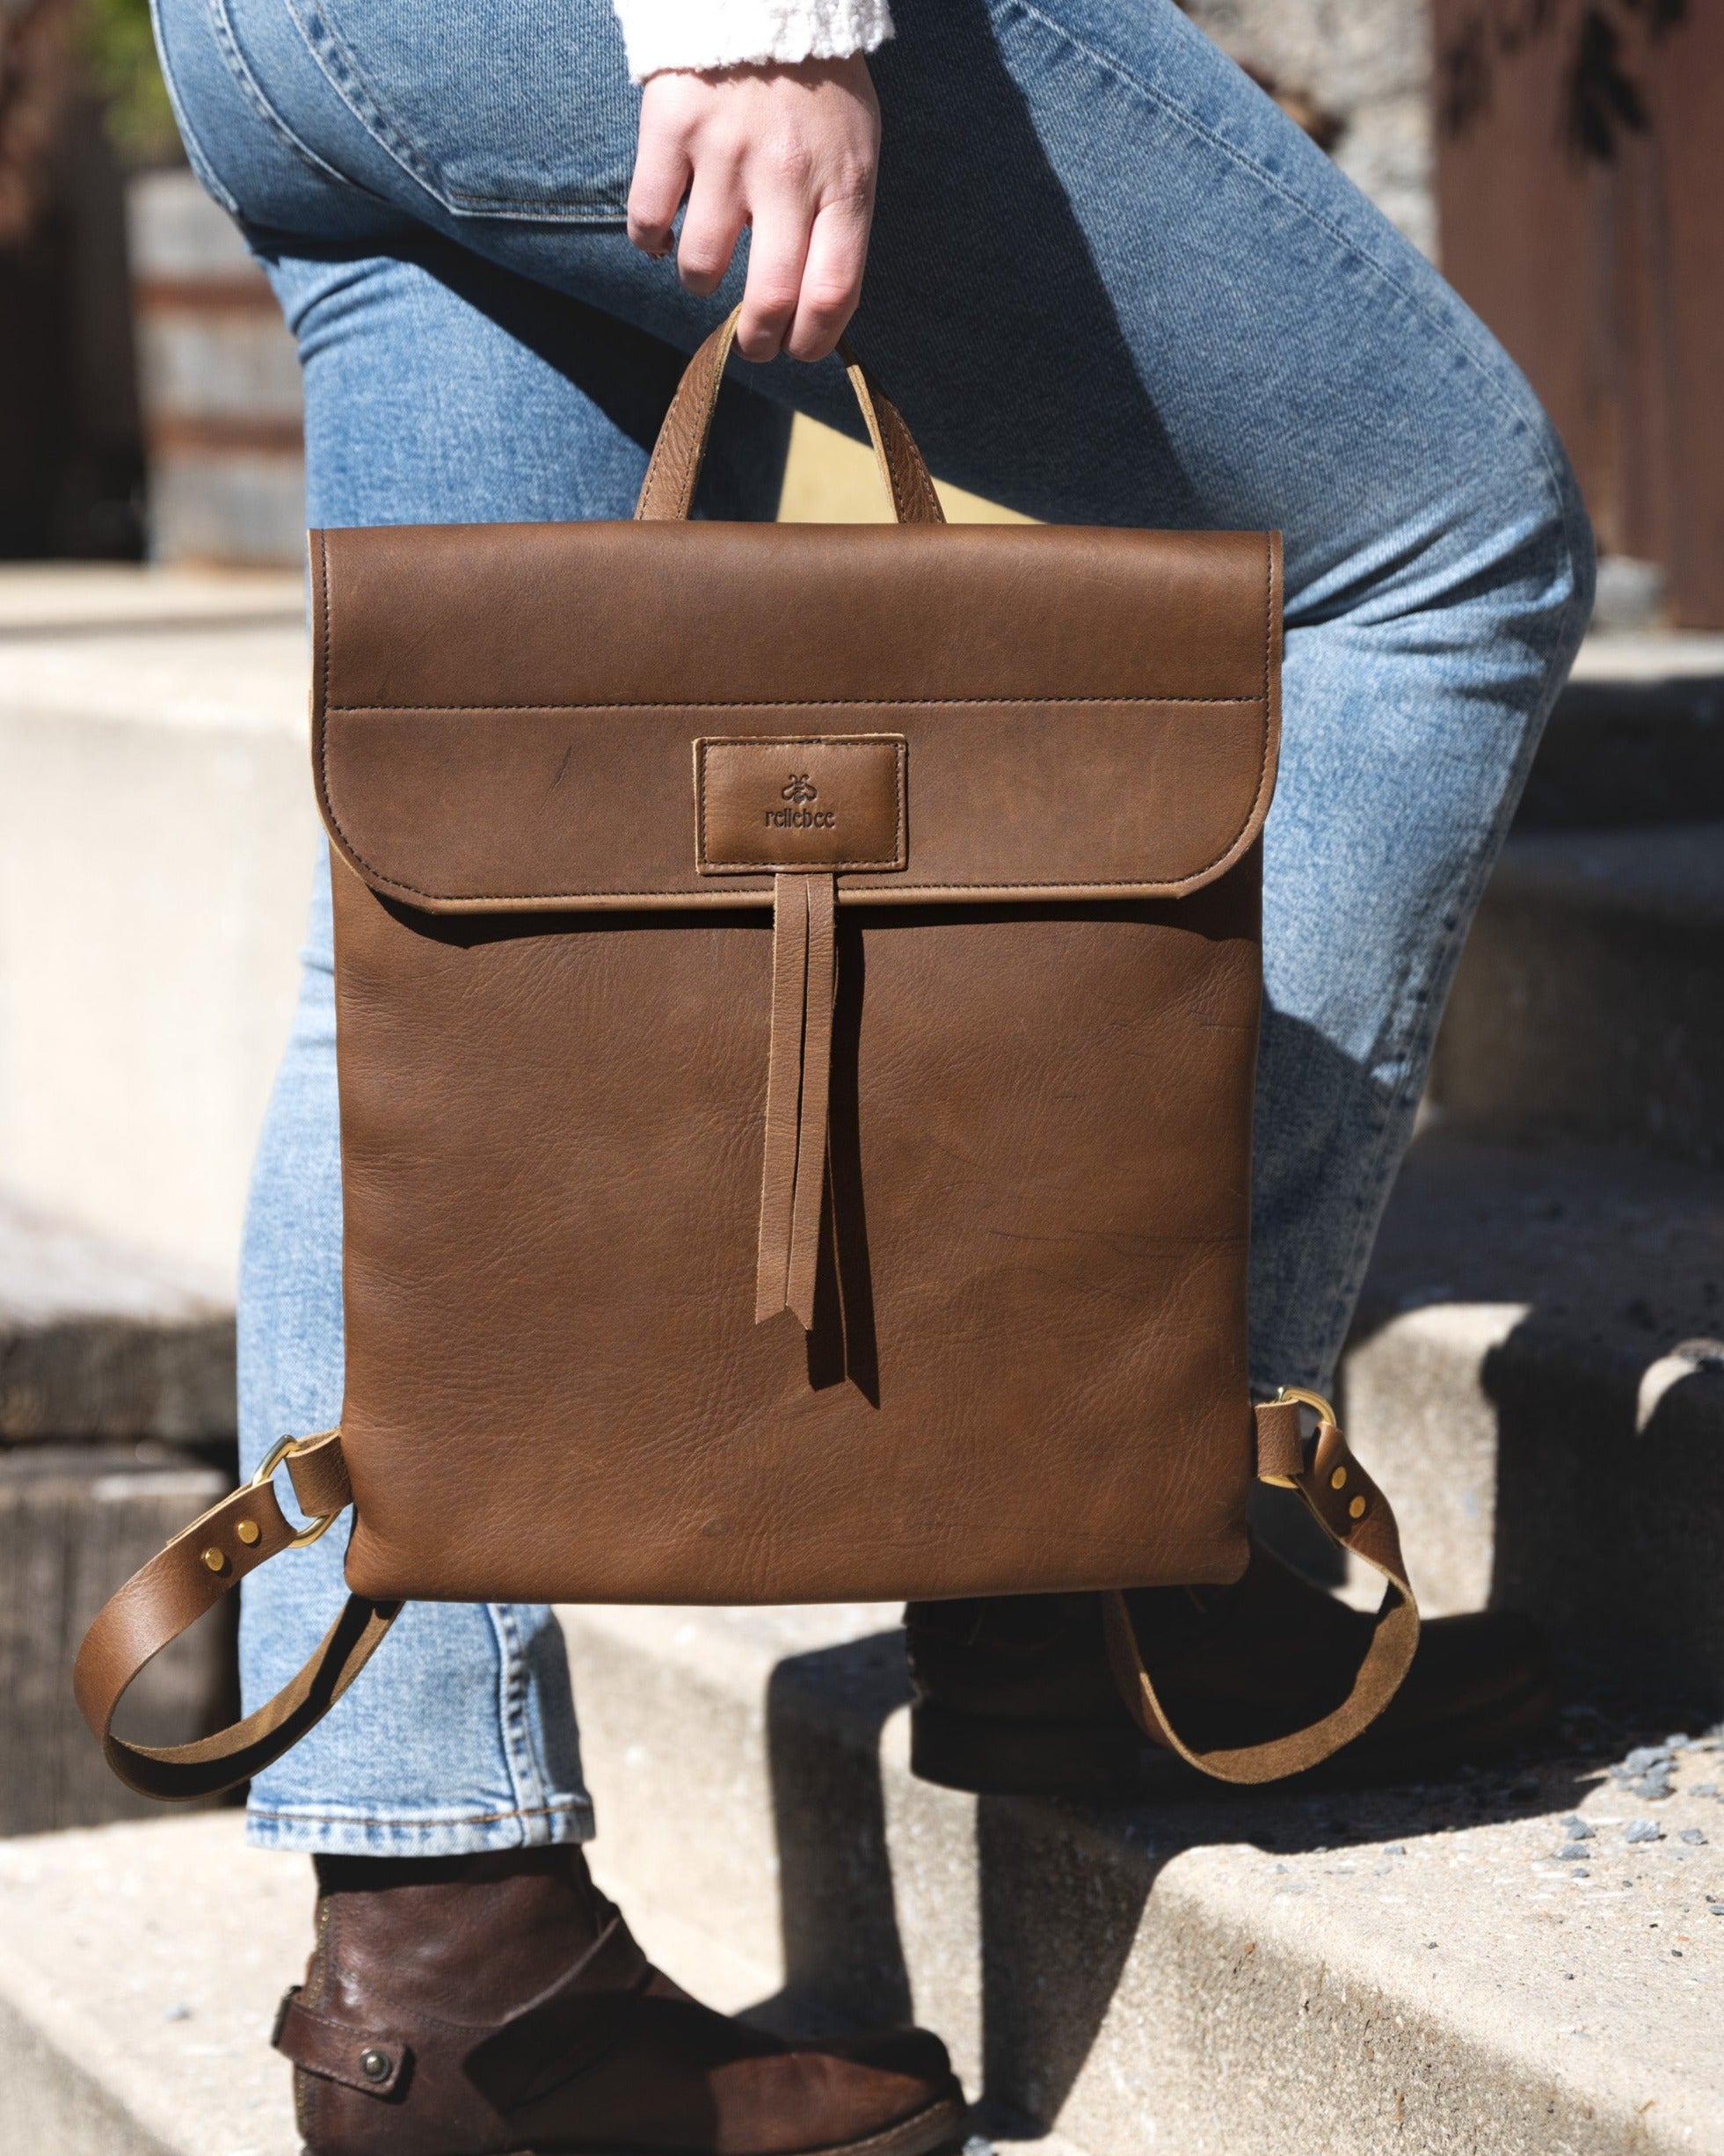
[(789, 152)]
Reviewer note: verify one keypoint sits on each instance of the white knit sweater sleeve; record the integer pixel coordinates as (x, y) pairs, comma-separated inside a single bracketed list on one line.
[(727, 33)]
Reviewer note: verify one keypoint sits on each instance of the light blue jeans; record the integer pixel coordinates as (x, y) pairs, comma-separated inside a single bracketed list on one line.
[(1110, 283)]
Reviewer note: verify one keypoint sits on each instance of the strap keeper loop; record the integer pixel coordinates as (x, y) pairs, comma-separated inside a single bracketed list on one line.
[(1281, 1449)]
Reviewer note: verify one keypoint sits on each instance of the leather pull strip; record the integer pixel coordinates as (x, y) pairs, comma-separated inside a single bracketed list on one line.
[(805, 973), (778, 1173), (816, 1093)]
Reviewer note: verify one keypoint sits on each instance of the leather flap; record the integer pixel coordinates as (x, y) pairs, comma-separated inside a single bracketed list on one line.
[(523, 717)]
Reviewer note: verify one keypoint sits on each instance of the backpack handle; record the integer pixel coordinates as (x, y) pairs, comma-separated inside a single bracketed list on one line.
[(667, 492)]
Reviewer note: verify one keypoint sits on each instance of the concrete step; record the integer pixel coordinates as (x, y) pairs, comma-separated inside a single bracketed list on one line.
[(1637, 737), (140, 1968), (116, 1427), (1322, 1975), (1536, 1377), (75, 1521), (157, 837), (55, 600), (1325, 1976), (99, 1342), (1590, 1002)]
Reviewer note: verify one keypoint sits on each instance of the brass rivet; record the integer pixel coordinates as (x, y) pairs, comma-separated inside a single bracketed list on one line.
[(214, 1559), (249, 1531), (374, 2066), (1357, 1509), (1338, 1480)]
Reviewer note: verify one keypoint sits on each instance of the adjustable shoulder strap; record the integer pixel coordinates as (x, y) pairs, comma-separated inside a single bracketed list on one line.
[(1352, 1512), (209, 1559), (185, 1582)]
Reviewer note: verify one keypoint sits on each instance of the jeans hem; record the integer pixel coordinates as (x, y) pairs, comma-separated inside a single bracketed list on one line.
[(324, 1832)]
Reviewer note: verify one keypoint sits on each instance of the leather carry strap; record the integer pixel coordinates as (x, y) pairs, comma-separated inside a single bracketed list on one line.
[(1352, 1512), (668, 490), (183, 1583), (804, 979)]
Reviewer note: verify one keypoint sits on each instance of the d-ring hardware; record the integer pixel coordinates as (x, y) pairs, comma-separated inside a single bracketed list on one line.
[(1297, 1395), (280, 1452), (1325, 1412)]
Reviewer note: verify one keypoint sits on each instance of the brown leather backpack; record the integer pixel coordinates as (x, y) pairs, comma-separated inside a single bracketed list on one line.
[(798, 994)]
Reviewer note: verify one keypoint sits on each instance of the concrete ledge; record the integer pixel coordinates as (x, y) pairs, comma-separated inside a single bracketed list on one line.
[(117, 1418), (1536, 1377), (1637, 737), (157, 837), (1324, 1974), (51, 599), (1635, 658), (140, 1969), (1589, 1000), (102, 1343)]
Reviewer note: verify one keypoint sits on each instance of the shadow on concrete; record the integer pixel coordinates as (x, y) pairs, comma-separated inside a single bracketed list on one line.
[(1594, 1462), (826, 1713), (1609, 1500), (1054, 1891)]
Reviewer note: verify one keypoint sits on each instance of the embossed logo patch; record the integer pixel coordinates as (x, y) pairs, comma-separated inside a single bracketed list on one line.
[(835, 801)]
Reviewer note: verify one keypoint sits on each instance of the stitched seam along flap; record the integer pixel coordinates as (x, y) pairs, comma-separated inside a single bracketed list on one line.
[(1105, 790)]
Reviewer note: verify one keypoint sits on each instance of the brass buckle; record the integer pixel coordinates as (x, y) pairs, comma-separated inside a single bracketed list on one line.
[(280, 1452), (1298, 1395)]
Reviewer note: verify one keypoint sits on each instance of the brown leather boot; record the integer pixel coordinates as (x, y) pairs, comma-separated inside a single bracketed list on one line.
[(472, 2005), (1013, 1695)]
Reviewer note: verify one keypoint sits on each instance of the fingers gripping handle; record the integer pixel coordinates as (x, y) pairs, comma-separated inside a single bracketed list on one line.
[(1353, 1512), (668, 490), (185, 1581)]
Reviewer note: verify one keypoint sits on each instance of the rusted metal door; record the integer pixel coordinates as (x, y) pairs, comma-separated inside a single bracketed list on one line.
[(1580, 201)]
